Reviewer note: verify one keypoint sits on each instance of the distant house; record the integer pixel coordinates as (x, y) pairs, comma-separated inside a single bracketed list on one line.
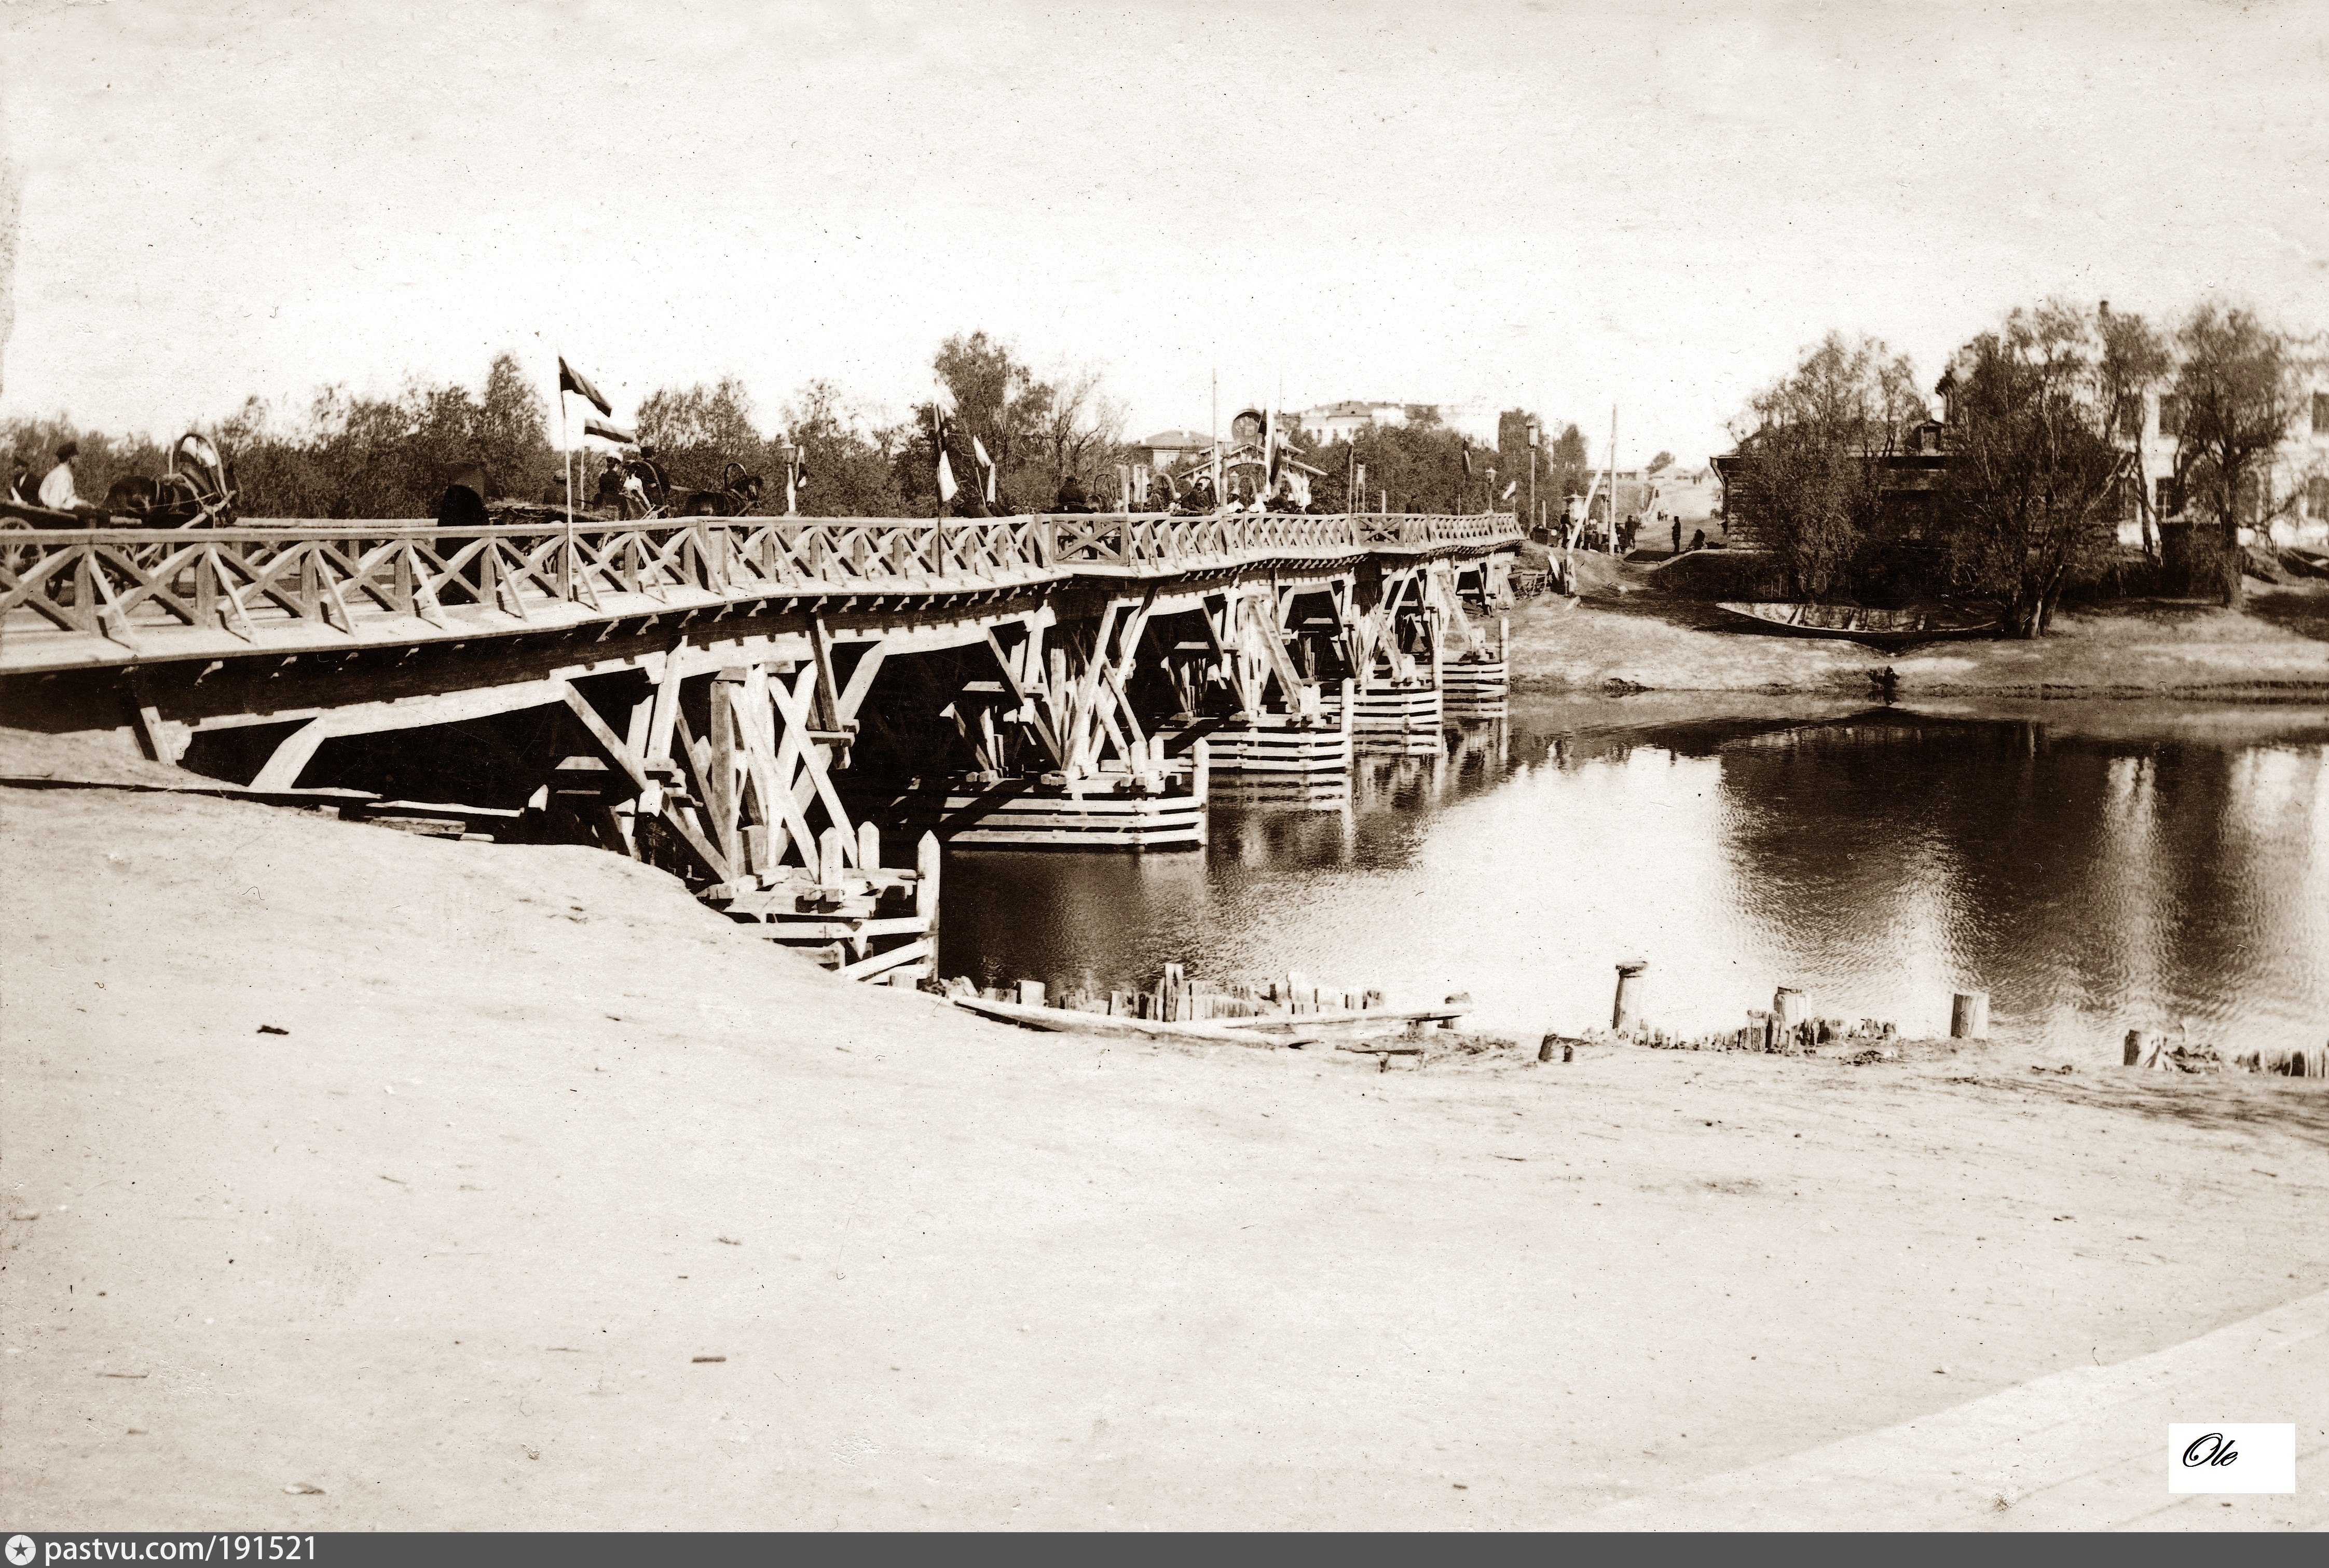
[(1169, 449), (1346, 421), (1907, 481), (1342, 421), (2293, 493), (2296, 482)]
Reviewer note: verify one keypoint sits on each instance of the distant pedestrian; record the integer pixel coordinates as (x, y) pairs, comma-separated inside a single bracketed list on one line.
[(1677, 536), (1698, 539)]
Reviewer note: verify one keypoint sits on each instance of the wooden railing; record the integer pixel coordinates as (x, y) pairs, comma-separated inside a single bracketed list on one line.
[(281, 579)]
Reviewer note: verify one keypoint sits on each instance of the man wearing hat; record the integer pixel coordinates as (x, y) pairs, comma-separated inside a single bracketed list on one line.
[(57, 492)]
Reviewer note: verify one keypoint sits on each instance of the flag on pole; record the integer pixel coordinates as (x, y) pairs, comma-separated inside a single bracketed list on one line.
[(1467, 460), (606, 431), (942, 405), (570, 380), (985, 469), (1510, 487)]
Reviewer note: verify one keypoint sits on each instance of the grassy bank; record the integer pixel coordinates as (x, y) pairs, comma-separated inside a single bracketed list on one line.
[(1623, 628), (481, 1185)]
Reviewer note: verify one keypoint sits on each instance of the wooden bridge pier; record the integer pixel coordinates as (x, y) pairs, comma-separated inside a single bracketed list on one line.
[(1252, 697)]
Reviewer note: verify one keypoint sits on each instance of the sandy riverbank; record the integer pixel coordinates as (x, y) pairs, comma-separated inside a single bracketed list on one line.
[(539, 1133), (1623, 628)]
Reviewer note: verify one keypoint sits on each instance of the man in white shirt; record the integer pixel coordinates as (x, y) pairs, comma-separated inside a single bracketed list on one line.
[(57, 492)]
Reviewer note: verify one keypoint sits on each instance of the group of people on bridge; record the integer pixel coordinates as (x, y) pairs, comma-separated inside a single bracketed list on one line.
[(1199, 500)]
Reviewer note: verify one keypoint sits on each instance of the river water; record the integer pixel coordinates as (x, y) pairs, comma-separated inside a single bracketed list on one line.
[(2093, 867)]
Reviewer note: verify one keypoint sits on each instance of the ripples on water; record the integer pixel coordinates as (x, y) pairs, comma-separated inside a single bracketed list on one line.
[(2093, 867)]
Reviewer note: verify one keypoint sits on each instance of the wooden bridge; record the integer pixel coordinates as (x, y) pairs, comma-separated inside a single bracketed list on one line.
[(754, 702)]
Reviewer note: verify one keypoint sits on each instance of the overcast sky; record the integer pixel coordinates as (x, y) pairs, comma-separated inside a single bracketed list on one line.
[(1561, 206)]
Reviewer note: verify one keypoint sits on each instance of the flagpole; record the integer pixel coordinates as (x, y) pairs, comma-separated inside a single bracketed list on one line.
[(1613, 479), (566, 563), (1217, 439)]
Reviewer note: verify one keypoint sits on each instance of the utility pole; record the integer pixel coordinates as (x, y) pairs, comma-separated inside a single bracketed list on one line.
[(1535, 432), (1613, 479)]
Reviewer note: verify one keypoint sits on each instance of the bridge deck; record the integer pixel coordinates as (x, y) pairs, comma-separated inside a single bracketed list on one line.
[(86, 598)]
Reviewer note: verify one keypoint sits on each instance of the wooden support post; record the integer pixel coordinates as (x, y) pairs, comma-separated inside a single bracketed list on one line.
[(756, 838), (291, 757), (827, 707), (1969, 1016), (1625, 1015), (926, 858), (1786, 1011), (635, 737), (1031, 993), (145, 718), (772, 766), (665, 716), (869, 847), (2131, 1049), (833, 862), (721, 791)]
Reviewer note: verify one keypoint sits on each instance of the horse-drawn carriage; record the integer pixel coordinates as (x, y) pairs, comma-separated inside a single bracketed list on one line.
[(198, 492), (637, 487)]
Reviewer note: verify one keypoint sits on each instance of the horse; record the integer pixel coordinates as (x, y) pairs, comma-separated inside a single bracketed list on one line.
[(738, 494), (201, 493), (170, 501)]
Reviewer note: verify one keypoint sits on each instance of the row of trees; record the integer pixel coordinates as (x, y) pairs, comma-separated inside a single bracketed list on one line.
[(344, 455), (2018, 491), (1047, 437)]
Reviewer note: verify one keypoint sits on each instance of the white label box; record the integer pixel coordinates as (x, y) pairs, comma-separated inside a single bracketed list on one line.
[(2231, 1456)]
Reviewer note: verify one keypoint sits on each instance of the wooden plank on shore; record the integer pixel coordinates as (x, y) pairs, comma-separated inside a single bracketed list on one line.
[(866, 968), (784, 930), (1066, 1020)]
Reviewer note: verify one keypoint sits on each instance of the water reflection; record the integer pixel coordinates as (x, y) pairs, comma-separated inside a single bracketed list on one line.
[(2093, 868)]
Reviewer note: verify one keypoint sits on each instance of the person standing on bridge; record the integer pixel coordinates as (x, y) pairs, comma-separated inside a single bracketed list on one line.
[(57, 492)]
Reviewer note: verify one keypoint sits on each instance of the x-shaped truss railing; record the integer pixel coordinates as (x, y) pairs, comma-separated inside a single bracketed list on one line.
[(249, 578)]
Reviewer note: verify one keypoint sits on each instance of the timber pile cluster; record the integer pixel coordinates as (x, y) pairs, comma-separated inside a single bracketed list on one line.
[(1176, 999), (1764, 1034), (1289, 1013), (2154, 1052)]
